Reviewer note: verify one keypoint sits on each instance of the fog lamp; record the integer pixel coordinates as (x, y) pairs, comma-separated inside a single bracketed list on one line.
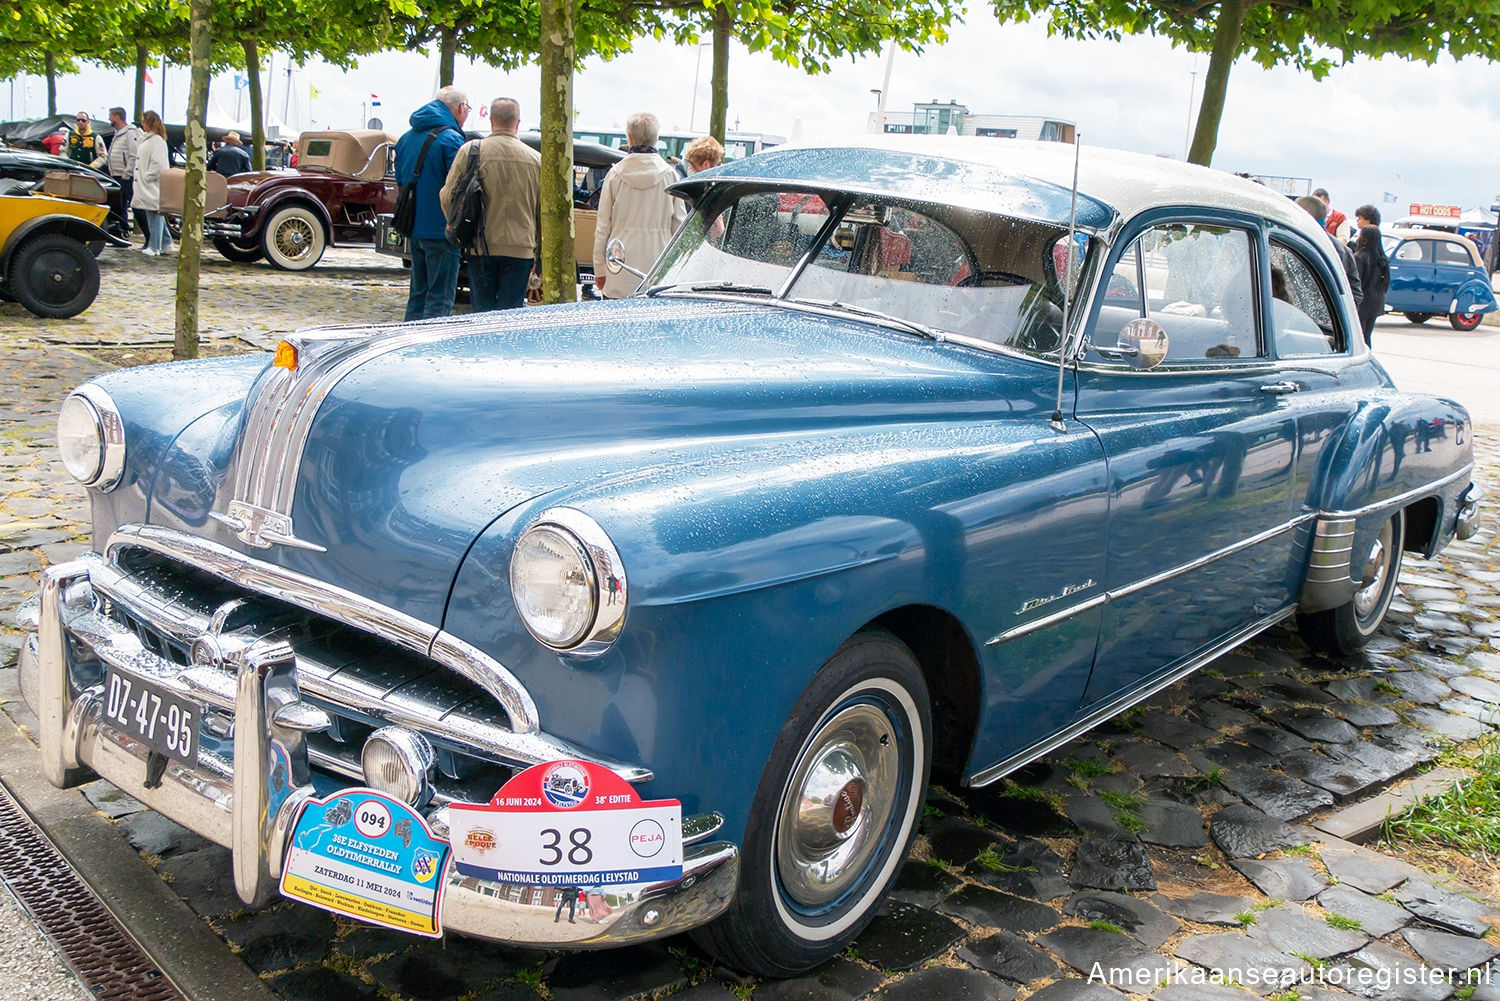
[(398, 762)]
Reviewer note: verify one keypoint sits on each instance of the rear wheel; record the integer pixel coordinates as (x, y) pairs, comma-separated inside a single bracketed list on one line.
[(237, 251), (293, 238), (836, 807), (1418, 317), (1346, 629), (54, 275), (1464, 321)]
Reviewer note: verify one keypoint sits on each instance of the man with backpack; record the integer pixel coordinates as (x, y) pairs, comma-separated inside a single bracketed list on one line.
[(493, 189), (423, 157)]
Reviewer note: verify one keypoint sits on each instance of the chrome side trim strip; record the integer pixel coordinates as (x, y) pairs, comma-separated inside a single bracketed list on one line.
[(1402, 498), (1093, 719), (1160, 578), (339, 604)]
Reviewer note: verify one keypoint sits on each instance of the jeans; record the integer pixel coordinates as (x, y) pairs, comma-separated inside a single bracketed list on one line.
[(434, 279), (497, 282), (156, 229)]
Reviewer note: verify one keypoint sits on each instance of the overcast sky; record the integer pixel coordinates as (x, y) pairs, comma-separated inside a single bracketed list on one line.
[(1420, 133)]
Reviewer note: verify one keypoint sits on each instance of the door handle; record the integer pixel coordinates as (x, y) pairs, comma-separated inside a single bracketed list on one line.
[(1279, 388)]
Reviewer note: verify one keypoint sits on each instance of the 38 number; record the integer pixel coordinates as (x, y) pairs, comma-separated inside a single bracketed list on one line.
[(579, 854)]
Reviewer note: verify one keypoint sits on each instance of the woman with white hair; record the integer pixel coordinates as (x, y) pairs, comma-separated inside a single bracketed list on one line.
[(635, 207)]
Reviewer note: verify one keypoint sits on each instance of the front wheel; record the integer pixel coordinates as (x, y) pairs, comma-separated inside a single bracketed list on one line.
[(1418, 317), (833, 815), (54, 275), (1346, 629), (237, 251), (1464, 321), (293, 238)]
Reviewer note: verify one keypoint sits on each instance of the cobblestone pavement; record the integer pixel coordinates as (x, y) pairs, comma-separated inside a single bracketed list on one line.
[(1173, 841)]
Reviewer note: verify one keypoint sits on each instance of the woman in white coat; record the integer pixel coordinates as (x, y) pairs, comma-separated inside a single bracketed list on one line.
[(150, 161), (634, 206)]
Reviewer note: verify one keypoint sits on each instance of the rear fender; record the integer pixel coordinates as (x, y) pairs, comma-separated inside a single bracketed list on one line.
[(1474, 297)]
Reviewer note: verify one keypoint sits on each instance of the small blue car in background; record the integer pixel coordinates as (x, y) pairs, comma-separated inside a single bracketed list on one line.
[(1433, 273)]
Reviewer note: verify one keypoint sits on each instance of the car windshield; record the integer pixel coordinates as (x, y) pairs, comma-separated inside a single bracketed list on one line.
[(926, 268)]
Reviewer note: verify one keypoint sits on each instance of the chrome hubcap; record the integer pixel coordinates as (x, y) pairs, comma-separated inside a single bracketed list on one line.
[(838, 804), (1373, 579)]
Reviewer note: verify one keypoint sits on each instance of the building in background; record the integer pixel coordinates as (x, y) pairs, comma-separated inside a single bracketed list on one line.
[(936, 118)]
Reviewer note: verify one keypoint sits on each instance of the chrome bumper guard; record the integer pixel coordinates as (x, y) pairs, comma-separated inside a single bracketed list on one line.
[(1469, 521), (234, 803)]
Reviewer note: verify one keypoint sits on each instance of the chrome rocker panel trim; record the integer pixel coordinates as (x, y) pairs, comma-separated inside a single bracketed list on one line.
[(233, 804)]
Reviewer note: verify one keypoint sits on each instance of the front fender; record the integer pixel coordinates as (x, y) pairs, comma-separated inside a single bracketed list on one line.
[(266, 207), (80, 229)]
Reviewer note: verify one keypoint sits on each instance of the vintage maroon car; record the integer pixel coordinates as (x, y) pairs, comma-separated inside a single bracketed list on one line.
[(342, 182)]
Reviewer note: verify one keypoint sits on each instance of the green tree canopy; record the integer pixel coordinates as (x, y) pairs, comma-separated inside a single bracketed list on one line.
[(1313, 36)]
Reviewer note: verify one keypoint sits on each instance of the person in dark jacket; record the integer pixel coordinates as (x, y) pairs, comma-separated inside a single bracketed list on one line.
[(434, 261), (231, 158), (1315, 207), (1374, 275)]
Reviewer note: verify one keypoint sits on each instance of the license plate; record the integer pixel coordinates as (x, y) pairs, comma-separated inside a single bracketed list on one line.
[(153, 716)]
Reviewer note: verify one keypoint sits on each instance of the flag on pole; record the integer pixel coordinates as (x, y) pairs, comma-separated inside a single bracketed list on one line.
[(313, 90), (1389, 197), (148, 77), (240, 83), (374, 100)]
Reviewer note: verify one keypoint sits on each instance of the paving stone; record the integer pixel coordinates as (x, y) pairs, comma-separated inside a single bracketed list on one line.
[(205, 879), (1443, 908), (1482, 689), (1382, 973), (367, 942), (319, 983), (1357, 690), (904, 937), (1232, 951), (946, 982), (1419, 687), (1283, 879), (1446, 951), (1422, 745), (1291, 929), (923, 885), (1172, 825), (1009, 956), (1109, 957), (1149, 761), (1450, 725), (1273, 739), (1124, 783), (1359, 871), (957, 841), (1174, 731), (1362, 714), (1111, 864), (1203, 992), (1294, 689), (1485, 661), (1388, 763), (1245, 832), (1219, 717), (1076, 990), (993, 909), (1225, 755), (18, 562), (10, 650), (1316, 724), (282, 938), (110, 801), (1483, 712), (1092, 814), (152, 834), (1205, 908), (435, 969), (1344, 777), (1278, 796), (524, 992), (839, 980), (1139, 917), (1021, 815)]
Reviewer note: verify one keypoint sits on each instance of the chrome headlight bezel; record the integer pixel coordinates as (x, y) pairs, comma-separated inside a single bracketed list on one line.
[(110, 428), (605, 579)]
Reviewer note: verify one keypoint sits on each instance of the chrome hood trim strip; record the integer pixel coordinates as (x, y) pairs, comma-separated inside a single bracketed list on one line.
[(338, 604)]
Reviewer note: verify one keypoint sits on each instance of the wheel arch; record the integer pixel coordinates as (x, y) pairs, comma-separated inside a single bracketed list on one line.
[(1423, 518), (80, 229), (300, 199), (950, 666)]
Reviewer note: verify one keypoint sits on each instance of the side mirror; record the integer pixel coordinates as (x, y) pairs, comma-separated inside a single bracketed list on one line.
[(1144, 342), (614, 259)]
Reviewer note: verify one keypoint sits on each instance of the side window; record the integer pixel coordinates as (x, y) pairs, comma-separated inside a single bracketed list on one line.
[(1413, 250), (1303, 320), (1200, 287), (1452, 253)]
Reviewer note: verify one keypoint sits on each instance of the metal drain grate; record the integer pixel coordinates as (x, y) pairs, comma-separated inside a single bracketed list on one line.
[(107, 960)]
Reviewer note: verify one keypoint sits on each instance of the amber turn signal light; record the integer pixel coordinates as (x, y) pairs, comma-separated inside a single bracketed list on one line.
[(286, 356)]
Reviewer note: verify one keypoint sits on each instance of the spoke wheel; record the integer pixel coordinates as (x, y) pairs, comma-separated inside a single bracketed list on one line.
[(293, 239)]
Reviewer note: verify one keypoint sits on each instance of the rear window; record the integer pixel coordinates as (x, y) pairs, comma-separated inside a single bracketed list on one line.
[(319, 147)]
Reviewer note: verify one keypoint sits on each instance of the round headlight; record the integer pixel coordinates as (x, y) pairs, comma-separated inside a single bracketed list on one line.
[(552, 581), (91, 438), (80, 439), (399, 762)]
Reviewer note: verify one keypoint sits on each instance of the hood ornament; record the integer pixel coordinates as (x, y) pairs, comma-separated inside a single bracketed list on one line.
[(262, 528)]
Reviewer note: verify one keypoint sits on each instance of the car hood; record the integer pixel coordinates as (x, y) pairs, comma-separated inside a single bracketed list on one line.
[(426, 433)]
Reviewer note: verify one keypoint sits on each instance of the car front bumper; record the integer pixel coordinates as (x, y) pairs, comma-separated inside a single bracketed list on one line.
[(233, 802)]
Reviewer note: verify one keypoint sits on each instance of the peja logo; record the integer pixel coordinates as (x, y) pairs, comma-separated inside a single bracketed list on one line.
[(647, 838)]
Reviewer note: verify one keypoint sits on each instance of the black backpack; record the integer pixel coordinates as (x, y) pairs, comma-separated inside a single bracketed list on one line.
[(405, 218), (466, 208)]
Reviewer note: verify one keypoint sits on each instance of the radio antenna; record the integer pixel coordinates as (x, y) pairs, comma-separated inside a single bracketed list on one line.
[(1056, 423)]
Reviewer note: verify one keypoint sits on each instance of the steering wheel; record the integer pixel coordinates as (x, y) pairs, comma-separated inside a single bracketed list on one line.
[(978, 279)]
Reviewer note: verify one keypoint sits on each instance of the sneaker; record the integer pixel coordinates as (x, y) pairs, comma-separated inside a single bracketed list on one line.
[(150, 253)]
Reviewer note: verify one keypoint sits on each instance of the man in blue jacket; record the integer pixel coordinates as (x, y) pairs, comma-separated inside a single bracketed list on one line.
[(434, 261)]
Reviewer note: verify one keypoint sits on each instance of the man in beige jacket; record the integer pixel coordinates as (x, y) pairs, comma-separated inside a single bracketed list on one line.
[(501, 261), (634, 206)]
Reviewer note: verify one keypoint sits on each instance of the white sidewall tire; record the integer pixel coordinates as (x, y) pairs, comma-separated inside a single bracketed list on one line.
[(278, 230)]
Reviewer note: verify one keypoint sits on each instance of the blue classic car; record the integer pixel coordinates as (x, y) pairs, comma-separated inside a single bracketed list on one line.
[(909, 459), (1432, 273)]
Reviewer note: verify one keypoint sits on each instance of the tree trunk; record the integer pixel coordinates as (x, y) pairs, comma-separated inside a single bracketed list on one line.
[(140, 82), (50, 62), (257, 110), (447, 49), (718, 111), (1227, 33), (190, 248), (559, 263)]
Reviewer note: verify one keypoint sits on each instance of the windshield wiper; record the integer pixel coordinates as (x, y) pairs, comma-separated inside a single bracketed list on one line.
[(921, 330), (732, 288)]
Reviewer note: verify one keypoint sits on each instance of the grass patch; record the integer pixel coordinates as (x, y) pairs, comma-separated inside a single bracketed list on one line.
[(1130, 719), (1246, 918), (1313, 961), (1386, 688), (1288, 995), (1466, 817), (991, 860), (1089, 768), (1343, 922), (936, 862), (1106, 926)]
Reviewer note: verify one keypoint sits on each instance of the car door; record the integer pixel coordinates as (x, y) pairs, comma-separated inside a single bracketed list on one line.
[(1413, 278), (1452, 268), (1200, 453)]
